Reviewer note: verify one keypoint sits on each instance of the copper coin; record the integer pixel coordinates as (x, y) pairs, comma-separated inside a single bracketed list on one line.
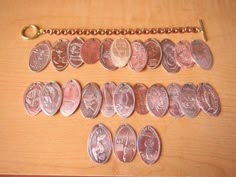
[(173, 91), (90, 50), (100, 144), (183, 54), (71, 97), (91, 100), (40, 56), (202, 54), (31, 98), (108, 90), (73, 52), (138, 58), (208, 99), (120, 52), (157, 100), (140, 91), (168, 57), (105, 57), (188, 100), (154, 53), (125, 143), (149, 145), (51, 98), (124, 100)]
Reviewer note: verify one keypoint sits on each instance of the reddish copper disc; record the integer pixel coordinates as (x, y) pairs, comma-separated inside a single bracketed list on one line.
[(140, 91)]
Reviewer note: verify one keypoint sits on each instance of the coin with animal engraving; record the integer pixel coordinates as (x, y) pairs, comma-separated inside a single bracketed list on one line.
[(140, 91), (100, 144), (149, 145)]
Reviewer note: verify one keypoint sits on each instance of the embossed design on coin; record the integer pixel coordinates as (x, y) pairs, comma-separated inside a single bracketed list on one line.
[(91, 100), (51, 98), (31, 98), (120, 52), (40, 56), (208, 99), (90, 50), (140, 91), (108, 90), (157, 100), (168, 57), (149, 145), (100, 144), (124, 100), (71, 97), (173, 91), (73, 52), (201, 54), (188, 100), (125, 143)]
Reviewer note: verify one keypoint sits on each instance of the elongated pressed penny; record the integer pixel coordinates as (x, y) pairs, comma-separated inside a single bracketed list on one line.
[(140, 91)]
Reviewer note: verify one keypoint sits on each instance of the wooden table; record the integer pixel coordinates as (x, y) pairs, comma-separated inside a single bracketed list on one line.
[(204, 146)]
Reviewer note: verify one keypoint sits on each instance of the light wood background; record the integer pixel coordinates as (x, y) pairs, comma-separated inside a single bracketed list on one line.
[(204, 146)]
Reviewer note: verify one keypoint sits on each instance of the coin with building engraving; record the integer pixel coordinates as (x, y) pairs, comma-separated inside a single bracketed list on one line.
[(140, 91)]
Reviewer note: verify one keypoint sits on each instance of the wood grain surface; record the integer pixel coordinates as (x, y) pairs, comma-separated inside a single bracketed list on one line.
[(204, 146)]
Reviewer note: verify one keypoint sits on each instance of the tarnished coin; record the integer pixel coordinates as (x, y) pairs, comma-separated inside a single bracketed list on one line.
[(90, 50), (74, 52), (138, 58), (91, 100), (149, 145), (188, 100), (208, 99), (124, 100), (51, 98), (154, 53), (168, 57), (108, 90), (125, 143), (105, 57), (183, 54), (100, 144), (201, 54), (157, 100), (71, 97), (173, 91), (40, 56), (120, 52), (31, 98), (140, 91)]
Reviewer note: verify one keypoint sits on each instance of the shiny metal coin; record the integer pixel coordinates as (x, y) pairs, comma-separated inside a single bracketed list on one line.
[(140, 91)]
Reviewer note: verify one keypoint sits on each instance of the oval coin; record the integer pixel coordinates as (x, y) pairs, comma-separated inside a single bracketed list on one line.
[(140, 91)]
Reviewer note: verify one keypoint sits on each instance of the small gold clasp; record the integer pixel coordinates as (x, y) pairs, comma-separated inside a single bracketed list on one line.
[(36, 32), (202, 28)]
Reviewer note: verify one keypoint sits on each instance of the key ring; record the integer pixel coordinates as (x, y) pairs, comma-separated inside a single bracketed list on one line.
[(38, 32)]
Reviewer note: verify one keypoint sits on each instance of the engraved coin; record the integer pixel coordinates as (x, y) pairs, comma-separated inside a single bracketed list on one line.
[(40, 56), (51, 98), (140, 91), (120, 52), (173, 91), (100, 144), (208, 99), (108, 90), (91, 100), (154, 53), (188, 100), (168, 57), (31, 98), (138, 58), (202, 54), (71, 97), (105, 57), (73, 52), (124, 100), (157, 100), (183, 54), (125, 143), (90, 50), (149, 145)]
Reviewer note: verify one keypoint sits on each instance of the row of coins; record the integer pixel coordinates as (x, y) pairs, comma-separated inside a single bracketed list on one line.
[(122, 99), (120, 52), (125, 144)]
